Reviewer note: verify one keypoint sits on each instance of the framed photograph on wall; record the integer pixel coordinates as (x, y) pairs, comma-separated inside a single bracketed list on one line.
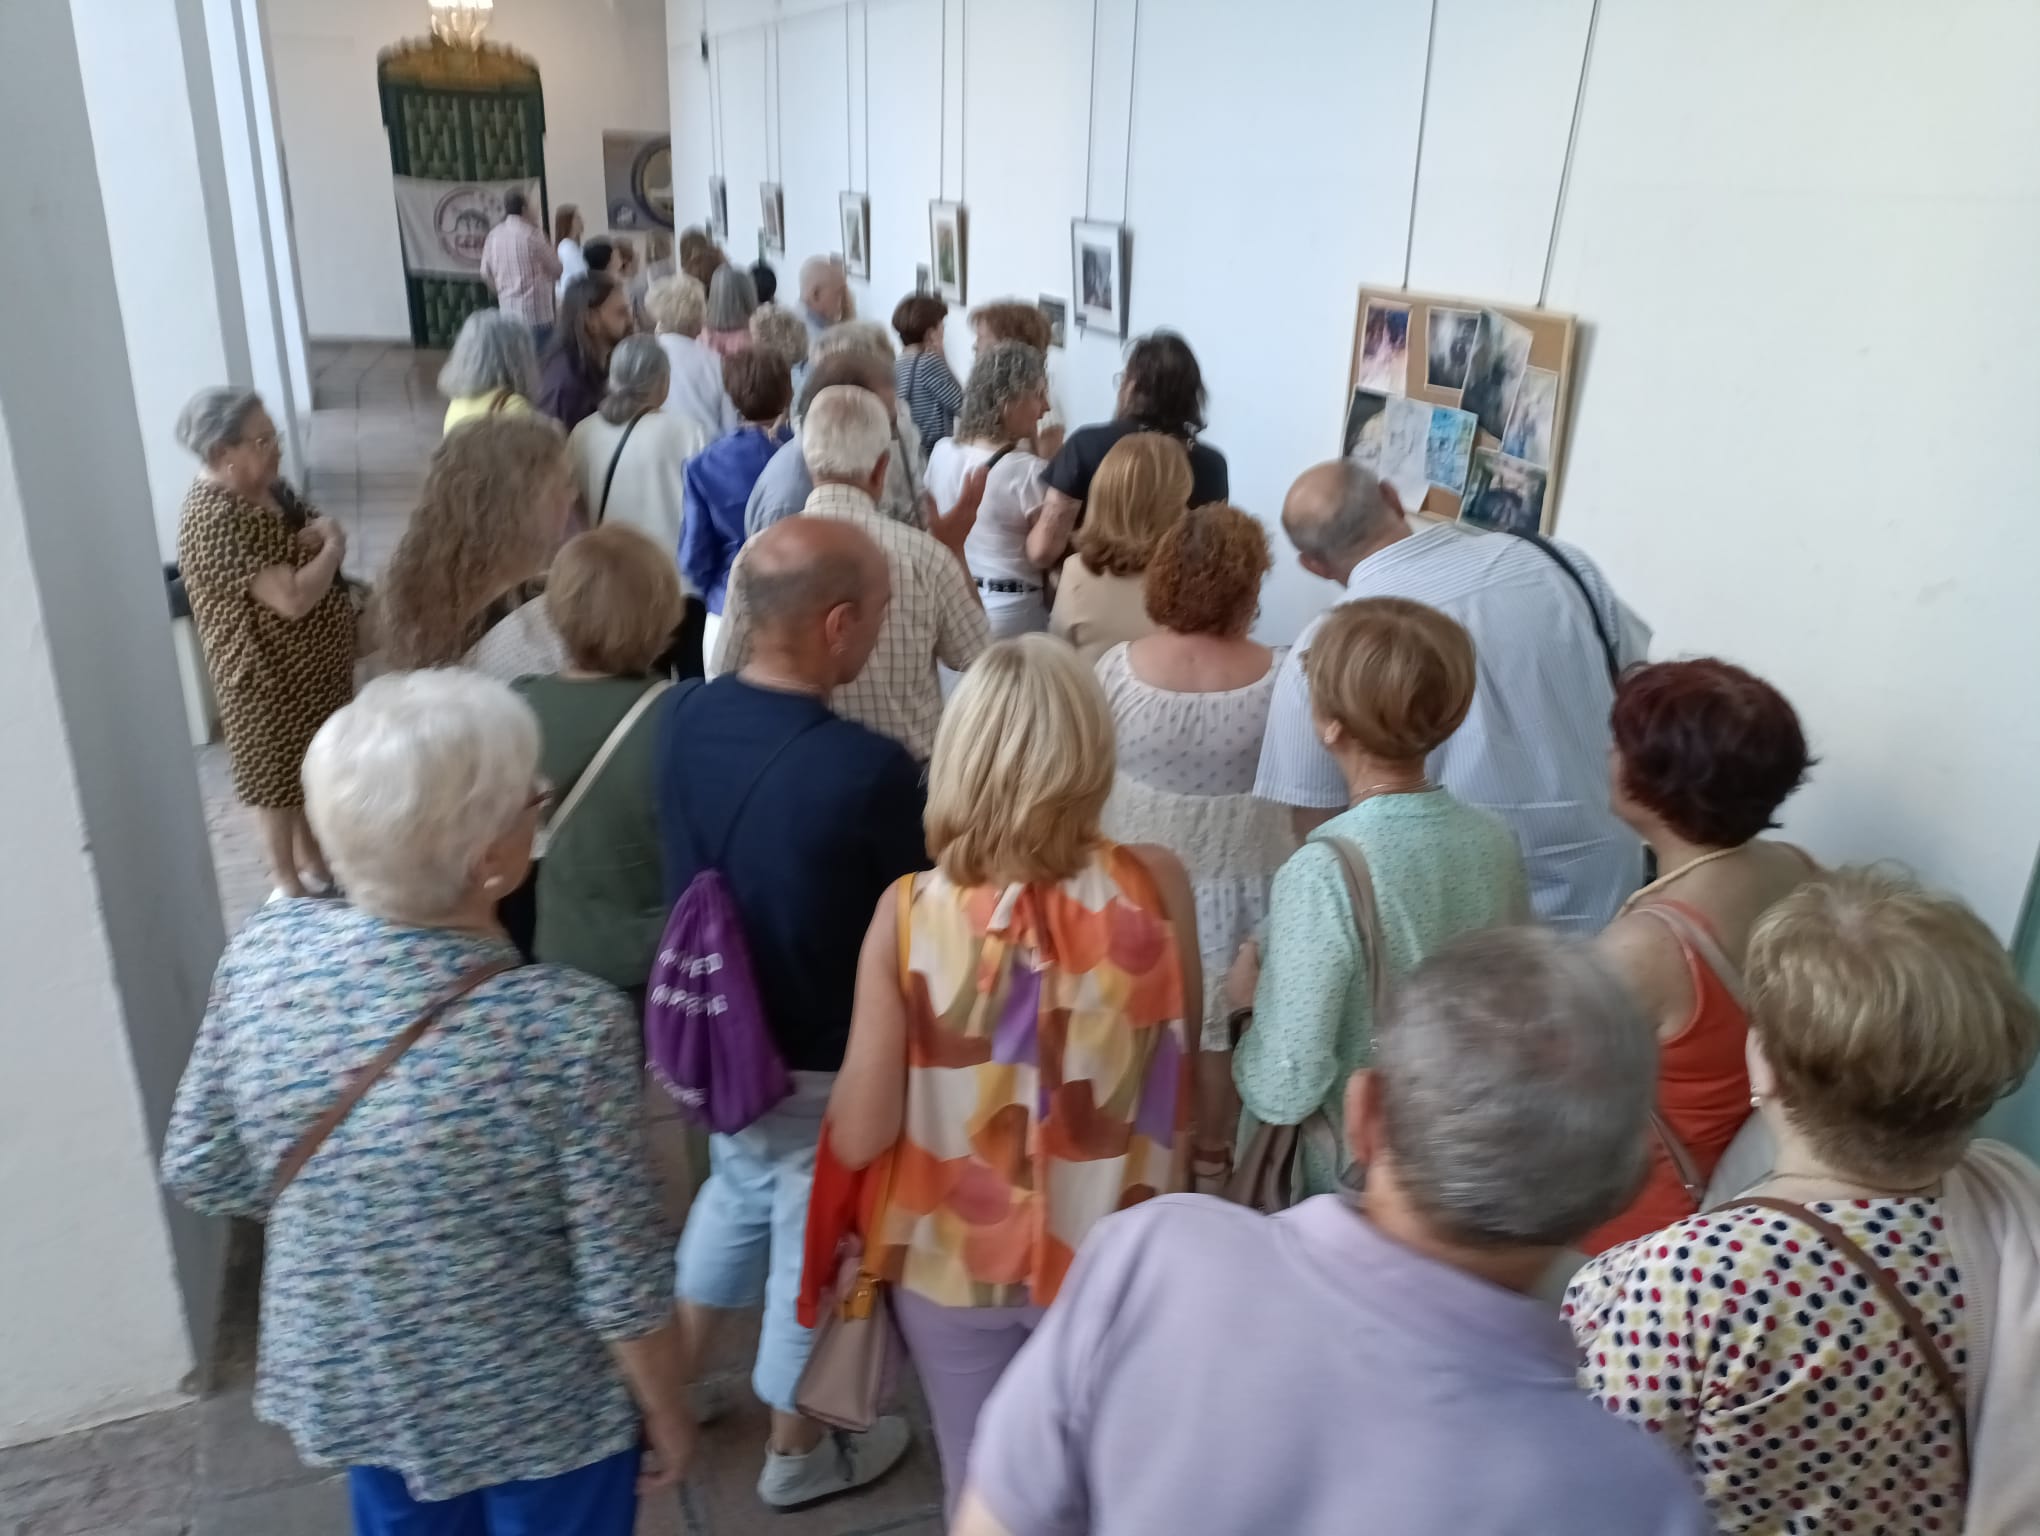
[(856, 233), (1098, 275), (718, 208), (1057, 314), (949, 252), (772, 206)]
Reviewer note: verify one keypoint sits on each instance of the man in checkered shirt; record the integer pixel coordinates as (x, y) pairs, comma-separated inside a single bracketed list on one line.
[(522, 269), (936, 615)]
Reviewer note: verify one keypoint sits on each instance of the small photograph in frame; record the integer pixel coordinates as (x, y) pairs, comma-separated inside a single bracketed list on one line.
[(922, 282), (718, 207), (1057, 314), (772, 205), (1098, 275), (856, 208), (949, 250)]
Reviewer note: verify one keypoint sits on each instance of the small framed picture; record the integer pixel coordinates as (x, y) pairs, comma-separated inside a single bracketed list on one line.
[(922, 283), (1057, 314), (772, 205), (718, 207), (948, 236), (1098, 273), (856, 233)]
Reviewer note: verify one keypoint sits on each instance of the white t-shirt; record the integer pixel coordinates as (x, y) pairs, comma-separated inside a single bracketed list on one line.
[(572, 265), (650, 488), (697, 384), (1014, 494)]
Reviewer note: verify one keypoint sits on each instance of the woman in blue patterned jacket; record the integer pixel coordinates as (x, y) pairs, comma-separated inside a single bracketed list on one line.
[(467, 1299)]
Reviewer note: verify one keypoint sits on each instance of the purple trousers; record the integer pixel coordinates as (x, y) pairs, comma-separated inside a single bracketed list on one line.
[(959, 1353)]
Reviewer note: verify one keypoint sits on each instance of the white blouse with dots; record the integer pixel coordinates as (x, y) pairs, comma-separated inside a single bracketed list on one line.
[(1773, 1365)]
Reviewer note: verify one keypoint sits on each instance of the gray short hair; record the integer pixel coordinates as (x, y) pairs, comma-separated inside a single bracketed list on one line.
[(677, 304), (866, 336), (213, 419), (844, 435), (1361, 513), (731, 298), (493, 351), (1516, 1077), (1001, 374), (638, 376), (408, 784)]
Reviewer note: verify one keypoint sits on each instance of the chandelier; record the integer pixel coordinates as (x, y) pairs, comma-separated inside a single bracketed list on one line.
[(461, 23)]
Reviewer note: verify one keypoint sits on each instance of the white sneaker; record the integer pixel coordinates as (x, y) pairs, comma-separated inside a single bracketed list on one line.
[(841, 1461)]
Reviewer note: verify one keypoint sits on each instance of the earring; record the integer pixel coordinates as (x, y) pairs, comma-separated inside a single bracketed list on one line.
[(1329, 737), (1756, 1101), (493, 884)]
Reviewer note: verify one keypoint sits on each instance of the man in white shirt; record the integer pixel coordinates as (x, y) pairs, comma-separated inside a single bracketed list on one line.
[(1534, 748), (935, 614)]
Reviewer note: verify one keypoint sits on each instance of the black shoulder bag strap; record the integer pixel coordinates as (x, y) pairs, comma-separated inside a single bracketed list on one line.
[(1551, 552), (610, 479), (993, 462)]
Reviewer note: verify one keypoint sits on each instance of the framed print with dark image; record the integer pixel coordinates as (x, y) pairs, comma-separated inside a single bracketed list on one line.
[(1057, 314), (718, 207), (1098, 275), (772, 205), (856, 208), (949, 251)]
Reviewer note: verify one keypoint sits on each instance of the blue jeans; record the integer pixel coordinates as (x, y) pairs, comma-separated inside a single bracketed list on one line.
[(599, 1499), (746, 1231)]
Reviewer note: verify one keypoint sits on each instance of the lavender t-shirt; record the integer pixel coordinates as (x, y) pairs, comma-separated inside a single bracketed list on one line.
[(1208, 1369)]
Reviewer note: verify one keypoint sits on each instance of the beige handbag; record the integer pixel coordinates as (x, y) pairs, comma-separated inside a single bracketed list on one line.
[(1268, 1172), (852, 1362)]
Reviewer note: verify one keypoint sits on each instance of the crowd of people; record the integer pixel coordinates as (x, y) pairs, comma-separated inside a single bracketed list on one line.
[(1390, 1079)]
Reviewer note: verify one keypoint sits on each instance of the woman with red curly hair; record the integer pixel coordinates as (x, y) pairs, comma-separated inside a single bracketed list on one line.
[(1704, 755)]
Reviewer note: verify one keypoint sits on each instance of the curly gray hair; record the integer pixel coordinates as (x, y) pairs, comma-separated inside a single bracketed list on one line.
[(1003, 372), (214, 418), (493, 352)]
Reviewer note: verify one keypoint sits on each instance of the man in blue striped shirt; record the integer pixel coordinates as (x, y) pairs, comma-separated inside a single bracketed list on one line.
[(1534, 748)]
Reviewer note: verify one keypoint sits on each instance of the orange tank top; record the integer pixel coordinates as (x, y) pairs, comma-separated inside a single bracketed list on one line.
[(1703, 1087)]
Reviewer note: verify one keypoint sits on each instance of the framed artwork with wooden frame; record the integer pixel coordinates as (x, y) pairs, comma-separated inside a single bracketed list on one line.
[(949, 250), (1462, 405)]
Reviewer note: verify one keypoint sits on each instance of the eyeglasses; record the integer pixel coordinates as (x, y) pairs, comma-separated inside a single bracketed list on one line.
[(266, 440), (543, 795)]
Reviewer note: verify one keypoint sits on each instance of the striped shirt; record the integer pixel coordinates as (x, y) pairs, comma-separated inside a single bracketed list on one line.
[(935, 616), (522, 267), (930, 393), (1534, 748)]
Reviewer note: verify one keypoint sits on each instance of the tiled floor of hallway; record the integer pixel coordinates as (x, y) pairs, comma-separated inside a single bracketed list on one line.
[(209, 1468)]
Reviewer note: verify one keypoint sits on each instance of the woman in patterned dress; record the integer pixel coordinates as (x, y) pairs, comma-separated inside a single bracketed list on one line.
[(262, 570), (1884, 1022), (493, 514), (1019, 1051), (1390, 681), (467, 1296)]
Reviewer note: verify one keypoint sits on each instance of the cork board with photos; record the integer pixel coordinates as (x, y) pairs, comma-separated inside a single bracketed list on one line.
[(1462, 405)]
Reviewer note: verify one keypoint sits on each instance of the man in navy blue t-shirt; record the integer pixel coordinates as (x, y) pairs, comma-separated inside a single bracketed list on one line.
[(810, 818)]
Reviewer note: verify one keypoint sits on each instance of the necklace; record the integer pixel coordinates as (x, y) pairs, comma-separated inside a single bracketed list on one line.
[(1421, 787), (759, 677), (1684, 869), (1870, 1191)]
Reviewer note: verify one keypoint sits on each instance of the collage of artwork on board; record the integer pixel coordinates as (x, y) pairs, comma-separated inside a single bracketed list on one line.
[(1471, 427)]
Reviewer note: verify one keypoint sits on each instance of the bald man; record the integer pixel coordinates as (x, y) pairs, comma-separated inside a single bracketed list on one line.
[(824, 294), (1549, 633), (810, 818)]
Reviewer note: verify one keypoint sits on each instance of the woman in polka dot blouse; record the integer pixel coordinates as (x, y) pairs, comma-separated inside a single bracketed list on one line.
[(1885, 1021)]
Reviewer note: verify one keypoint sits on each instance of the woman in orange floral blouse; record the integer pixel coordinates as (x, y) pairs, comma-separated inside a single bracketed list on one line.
[(1018, 1054)]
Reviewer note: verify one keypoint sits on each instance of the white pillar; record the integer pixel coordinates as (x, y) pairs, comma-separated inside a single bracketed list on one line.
[(109, 918), (155, 137)]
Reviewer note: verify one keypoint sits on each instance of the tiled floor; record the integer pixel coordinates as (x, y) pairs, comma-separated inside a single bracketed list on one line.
[(208, 1468)]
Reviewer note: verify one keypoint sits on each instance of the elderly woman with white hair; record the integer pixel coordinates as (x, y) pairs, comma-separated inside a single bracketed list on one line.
[(262, 571), (1015, 540), (676, 307), (492, 368), (466, 1300)]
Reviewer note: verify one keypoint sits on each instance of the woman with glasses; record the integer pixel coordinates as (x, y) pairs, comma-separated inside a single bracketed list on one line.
[(467, 1296), (262, 571)]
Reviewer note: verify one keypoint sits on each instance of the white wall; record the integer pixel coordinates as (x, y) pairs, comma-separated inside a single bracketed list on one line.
[(602, 64), (1799, 231), (110, 926)]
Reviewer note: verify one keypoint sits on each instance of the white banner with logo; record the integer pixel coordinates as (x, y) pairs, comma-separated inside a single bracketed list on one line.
[(444, 223)]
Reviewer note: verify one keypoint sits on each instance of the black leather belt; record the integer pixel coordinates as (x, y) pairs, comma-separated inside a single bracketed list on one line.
[(985, 585)]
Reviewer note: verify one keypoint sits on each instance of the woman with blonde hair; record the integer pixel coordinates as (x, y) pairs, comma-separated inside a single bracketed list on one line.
[(1138, 493), (1389, 681), (615, 599), (497, 498), (1847, 1344), (1019, 1052), (1014, 542)]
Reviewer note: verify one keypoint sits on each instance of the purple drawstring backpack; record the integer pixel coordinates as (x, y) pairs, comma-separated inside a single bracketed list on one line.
[(706, 1037)]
